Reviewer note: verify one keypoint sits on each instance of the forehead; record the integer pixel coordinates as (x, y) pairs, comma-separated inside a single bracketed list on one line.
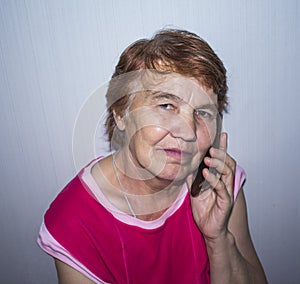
[(180, 88)]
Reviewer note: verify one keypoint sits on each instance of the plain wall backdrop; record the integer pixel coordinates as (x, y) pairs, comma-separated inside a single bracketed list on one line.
[(54, 54)]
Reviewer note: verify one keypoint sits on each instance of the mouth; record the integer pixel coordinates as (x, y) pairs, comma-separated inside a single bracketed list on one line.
[(178, 154)]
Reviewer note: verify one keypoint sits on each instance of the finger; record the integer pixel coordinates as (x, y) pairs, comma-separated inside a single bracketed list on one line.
[(217, 184), (223, 141), (222, 148), (219, 161), (221, 167), (222, 172), (220, 152)]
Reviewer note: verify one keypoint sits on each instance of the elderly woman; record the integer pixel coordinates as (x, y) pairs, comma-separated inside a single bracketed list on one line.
[(168, 205)]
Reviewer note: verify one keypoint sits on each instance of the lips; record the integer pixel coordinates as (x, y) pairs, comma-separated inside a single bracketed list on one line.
[(177, 153)]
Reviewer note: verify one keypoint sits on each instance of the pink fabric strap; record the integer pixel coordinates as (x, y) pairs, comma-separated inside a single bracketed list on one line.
[(239, 180), (53, 248)]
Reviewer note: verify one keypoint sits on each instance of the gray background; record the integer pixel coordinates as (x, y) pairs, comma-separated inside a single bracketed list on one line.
[(53, 54)]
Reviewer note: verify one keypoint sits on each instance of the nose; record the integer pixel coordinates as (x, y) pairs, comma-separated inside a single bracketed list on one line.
[(184, 127)]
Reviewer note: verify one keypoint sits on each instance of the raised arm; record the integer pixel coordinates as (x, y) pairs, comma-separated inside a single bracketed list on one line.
[(233, 258), (224, 225)]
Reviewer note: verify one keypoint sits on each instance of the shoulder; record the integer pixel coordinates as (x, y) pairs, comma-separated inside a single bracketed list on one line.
[(64, 213), (74, 202), (68, 201)]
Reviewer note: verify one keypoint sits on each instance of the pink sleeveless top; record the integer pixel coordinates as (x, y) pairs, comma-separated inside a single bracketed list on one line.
[(84, 230)]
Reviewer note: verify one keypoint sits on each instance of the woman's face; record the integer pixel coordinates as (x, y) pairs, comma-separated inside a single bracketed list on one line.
[(169, 129)]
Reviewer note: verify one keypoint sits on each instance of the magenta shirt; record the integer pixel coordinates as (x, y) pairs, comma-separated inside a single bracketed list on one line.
[(84, 230)]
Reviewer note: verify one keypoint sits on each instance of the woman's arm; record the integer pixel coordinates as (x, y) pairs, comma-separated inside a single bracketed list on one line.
[(233, 258), (68, 275), (223, 223)]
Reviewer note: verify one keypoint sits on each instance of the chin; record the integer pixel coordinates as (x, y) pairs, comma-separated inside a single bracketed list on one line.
[(175, 176)]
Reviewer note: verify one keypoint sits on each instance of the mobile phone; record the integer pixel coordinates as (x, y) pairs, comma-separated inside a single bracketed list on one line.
[(200, 184)]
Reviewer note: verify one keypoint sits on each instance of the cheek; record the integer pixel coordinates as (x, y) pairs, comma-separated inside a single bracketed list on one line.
[(206, 133), (143, 145), (154, 134), (148, 136), (145, 125)]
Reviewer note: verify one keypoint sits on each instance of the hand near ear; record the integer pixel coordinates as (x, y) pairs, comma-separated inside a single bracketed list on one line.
[(211, 208)]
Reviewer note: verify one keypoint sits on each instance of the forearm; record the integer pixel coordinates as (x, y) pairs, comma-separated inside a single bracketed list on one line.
[(228, 265)]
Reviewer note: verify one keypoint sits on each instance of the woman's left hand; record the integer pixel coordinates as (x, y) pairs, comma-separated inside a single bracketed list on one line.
[(212, 208)]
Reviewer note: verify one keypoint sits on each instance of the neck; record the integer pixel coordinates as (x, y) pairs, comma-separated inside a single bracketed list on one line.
[(147, 197)]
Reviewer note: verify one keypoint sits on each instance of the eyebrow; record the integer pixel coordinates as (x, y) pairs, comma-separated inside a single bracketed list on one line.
[(163, 95), (211, 107)]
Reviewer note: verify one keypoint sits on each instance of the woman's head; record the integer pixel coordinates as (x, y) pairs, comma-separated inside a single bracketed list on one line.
[(169, 51)]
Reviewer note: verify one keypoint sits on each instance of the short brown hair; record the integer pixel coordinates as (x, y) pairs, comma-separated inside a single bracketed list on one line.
[(170, 50)]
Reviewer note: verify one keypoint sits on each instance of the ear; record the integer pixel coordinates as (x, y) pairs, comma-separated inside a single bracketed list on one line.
[(119, 121)]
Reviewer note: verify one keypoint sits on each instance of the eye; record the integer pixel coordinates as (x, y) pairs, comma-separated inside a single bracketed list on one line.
[(167, 106), (204, 114)]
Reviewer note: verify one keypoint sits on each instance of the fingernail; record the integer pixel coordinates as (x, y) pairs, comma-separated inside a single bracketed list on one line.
[(205, 173), (207, 161)]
